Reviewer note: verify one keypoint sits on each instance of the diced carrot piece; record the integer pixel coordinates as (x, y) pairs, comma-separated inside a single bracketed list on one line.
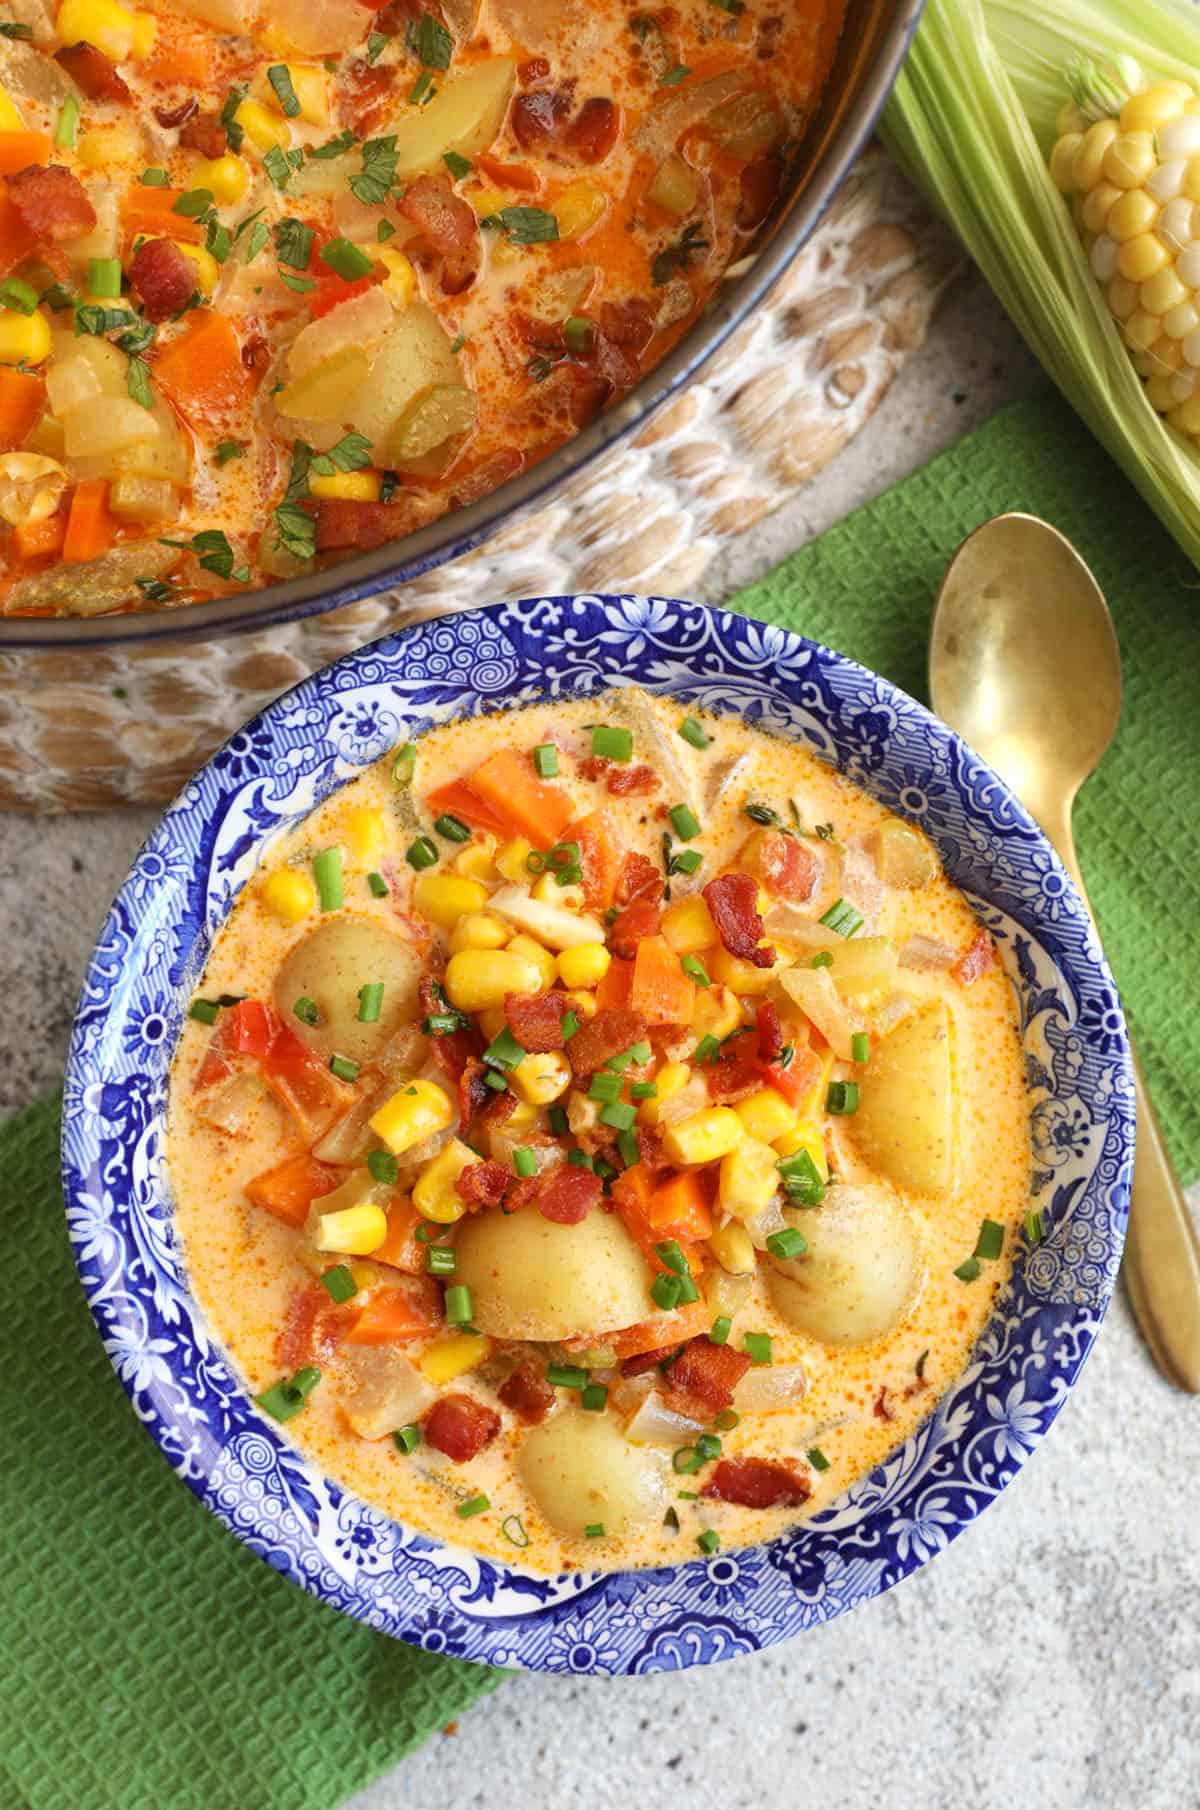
[(797, 1080), (289, 1189), (19, 149), (89, 525), (530, 806), (509, 175), (401, 1248), (662, 1332), (660, 990), (681, 1214), (679, 1209), (180, 55), (599, 857), (149, 214), (393, 1314), (16, 240), (39, 540), (22, 397), (458, 799), (614, 989), (202, 372)]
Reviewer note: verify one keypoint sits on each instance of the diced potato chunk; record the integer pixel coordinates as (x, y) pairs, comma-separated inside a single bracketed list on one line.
[(903, 857), (441, 414), (464, 116), (904, 1126)]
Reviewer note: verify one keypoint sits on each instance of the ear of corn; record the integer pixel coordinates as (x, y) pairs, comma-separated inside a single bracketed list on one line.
[(975, 118)]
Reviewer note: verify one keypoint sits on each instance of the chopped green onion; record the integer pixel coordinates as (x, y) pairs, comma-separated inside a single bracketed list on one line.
[(605, 1087), (695, 969), (580, 1159), (343, 1068), (370, 1002), (280, 78), (440, 1260), (757, 1346), (822, 959), (559, 1122), (513, 1529), (545, 760), (709, 1447), (452, 828), (68, 122), (496, 1081), (802, 1180), (1035, 1230), (692, 732), (666, 1290), (570, 1024), (407, 1439), (378, 885), (990, 1242), (566, 1376), (284, 1399), (788, 1243), (860, 1047), (421, 853), (720, 1329), (686, 1460), (594, 1397), (339, 1284), (18, 296), (459, 1306), (604, 1169), (594, 1530), (629, 1148), (155, 179), (727, 1419), (817, 1458), (636, 1054), (687, 861), (612, 744), (968, 1271), (842, 1097), (204, 1011), (672, 1255), (524, 1161), (688, 1292), (620, 1115), (402, 766), (579, 334), (642, 1090), (347, 259), (707, 1050), (709, 1541), (383, 1167), (474, 1505), (104, 278), (457, 165), (504, 1051), (428, 1233), (687, 825), (305, 1009), (327, 872), (842, 918)]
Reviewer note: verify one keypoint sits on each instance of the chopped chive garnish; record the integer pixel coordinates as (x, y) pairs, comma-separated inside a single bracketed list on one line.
[(594, 1530), (570, 1024), (686, 1460), (370, 1002), (968, 1271), (104, 278), (343, 1068), (720, 1329), (459, 1305), (513, 1529), (817, 1458), (990, 1242), (452, 828), (339, 1284), (378, 885), (504, 1051), (566, 1376), (1035, 1230), (284, 1399), (427, 1233), (727, 1419), (403, 765), (822, 959), (407, 1439), (842, 918), (495, 1081), (709, 1541), (594, 1397), (635, 1054), (629, 1149), (68, 123), (757, 1346), (709, 1447), (440, 1260), (612, 744), (559, 1122), (441, 1024), (421, 853), (842, 1097), (604, 1169), (579, 1159), (694, 968), (545, 759), (524, 1161), (666, 1290), (802, 1180), (620, 1115), (860, 1047), (671, 1520), (707, 1050), (474, 1505), (605, 1087), (204, 1011), (788, 1243), (327, 872), (350, 261), (305, 1009), (687, 825), (688, 1292), (643, 1090), (671, 1254), (692, 732), (687, 861), (383, 1167)]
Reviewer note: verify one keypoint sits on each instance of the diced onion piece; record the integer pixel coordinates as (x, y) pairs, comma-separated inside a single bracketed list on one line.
[(787, 923), (656, 1424), (227, 1107), (675, 186), (766, 1387), (747, 124), (726, 1293), (70, 382), (441, 414), (692, 1096), (389, 1392), (766, 1223), (325, 392), (316, 28), (927, 954), (812, 989), (105, 425), (550, 924), (348, 1139), (863, 964), (235, 16), (903, 857)]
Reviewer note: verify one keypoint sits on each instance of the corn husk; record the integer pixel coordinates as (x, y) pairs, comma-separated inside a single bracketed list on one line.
[(972, 119)]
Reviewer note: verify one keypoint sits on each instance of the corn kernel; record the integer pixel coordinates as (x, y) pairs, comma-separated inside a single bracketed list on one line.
[(671, 1079), (443, 898), (1140, 331), (1062, 161), (1134, 213), (1190, 187), (579, 208), (1139, 259), (1160, 395), (583, 1002), (533, 951), (1162, 293), (739, 976), (492, 1022), (104, 23), (806, 1136), (749, 1178), (487, 201), (766, 1115), (476, 978), (227, 177), (522, 1116), (311, 88), (542, 1077), (732, 1247), (454, 1355), (584, 966), (704, 1136), (1085, 172), (716, 1012), (478, 930), (1097, 205), (145, 36), (1122, 298), (688, 926), (262, 129), (475, 860), (1129, 159), (547, 891), (355, 1231), (351, 486), (365, 835), (416, 1111), (207, 269), (10, 119), (1153, 108), (400, 284), (24, 338), (434, 1194), (289, 894), (511, 859), (1187, 416)]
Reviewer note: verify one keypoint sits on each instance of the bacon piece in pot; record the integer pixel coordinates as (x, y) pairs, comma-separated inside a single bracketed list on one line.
[(52, 203), (757, 1483), (976, 959), (629, 323), (527, 1393), (487, 477), (473, 1092), (606, 1035), (737, 1071), (536, 69), (642, 917), (535, 1020), (205, 133), (732, 899), (256, 354), (368, 90), (758, 187), (632, 782), (92, 73), (498, 1110), (638, 875), (460, 1426), (593, 132), (568, 1194), (295, 1345), (171, 117), (704, 1376), (452, 1050), (483, 1184), (786, 866), (770, 1032), (648, 1360), (449, 225), (537, 118), (342, 523), (162, 278)]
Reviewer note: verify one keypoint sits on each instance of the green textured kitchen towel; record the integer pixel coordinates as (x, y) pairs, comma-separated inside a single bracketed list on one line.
[(150, 1661), (867, 588)]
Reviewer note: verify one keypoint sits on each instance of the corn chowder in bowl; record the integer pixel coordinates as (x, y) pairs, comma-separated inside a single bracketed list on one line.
[(601, 1147)]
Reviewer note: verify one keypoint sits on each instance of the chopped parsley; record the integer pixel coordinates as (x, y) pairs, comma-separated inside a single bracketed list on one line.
[(673, 258), (352, 453), (430, 42), (280, 78), (373, 184), (294, 243), (524, 225)]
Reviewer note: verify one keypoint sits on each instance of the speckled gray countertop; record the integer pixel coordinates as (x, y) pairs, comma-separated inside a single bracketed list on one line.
[(1049, 1660)]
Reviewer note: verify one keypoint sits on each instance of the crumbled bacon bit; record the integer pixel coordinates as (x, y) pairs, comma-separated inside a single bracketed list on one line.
[(460, 1426), (171, 117), (483, 1184), (758, 186), (770, 1032), (162, 278), (527, 1393), (629, 323), (737, 1071), (294, 1347), (452, 1050), (732, 900), (450, 227), (256, 354), (704, 1376), (604, 1036), (787, 867), (638, 875), (487, 477), (568, 1194), (534, 69), (642, 917), (343, 523), (632, 782), (368, 88), (473, 1091), (537, 117), (204, 132), (975, 960), (535, 1020), (648, 1360), (93, 73), (757, 1483), (52, 203), (593, 132)]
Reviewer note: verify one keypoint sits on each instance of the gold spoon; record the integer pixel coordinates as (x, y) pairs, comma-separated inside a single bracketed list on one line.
[(1024, 664)]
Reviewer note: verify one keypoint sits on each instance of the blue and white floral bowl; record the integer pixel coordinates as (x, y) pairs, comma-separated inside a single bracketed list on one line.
[(154, 947)]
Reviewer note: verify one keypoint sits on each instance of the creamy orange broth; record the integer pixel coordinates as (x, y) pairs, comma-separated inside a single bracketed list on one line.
[(245, 1265), (232, 386)]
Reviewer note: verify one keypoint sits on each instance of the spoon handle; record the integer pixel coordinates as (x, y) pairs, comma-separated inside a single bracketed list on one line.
[(1162, 1258)]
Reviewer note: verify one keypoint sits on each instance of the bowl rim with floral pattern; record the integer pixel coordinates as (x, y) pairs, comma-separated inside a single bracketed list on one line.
[(152, 951)]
